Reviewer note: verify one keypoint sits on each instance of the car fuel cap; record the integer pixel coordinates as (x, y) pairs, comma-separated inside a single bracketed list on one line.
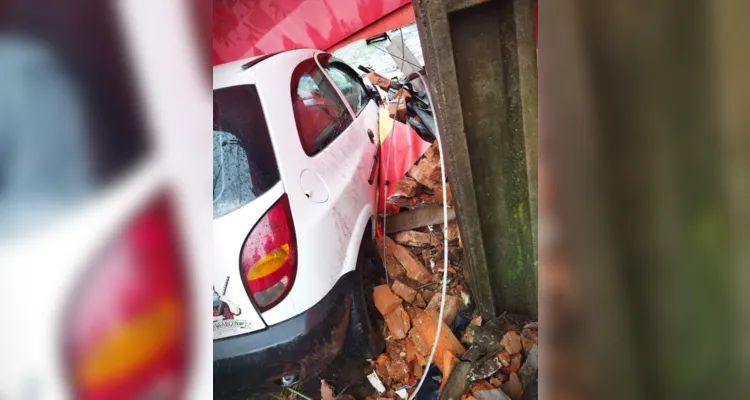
[(313, 186)]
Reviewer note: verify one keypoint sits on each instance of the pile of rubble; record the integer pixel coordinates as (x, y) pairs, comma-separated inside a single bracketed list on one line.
[(474, 360)]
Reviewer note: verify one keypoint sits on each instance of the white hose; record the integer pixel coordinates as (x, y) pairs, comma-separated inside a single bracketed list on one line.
[(385, 198), (445, 246)]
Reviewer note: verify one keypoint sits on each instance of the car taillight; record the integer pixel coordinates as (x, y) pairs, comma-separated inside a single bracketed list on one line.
[(127, 331), (269, 257)]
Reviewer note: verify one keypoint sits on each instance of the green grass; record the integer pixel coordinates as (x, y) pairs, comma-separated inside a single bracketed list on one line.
[(283, 394)]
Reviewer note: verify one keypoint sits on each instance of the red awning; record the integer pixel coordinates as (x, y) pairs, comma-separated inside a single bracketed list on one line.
[(245, 28)]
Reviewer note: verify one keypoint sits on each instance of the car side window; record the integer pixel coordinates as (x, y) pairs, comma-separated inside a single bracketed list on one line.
[(319, 112), (349, 84)]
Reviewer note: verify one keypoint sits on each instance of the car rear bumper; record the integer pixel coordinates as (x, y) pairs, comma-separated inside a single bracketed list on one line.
[(301, 346)]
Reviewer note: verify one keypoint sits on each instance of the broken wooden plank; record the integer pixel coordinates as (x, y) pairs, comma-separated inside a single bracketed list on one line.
[(457, 383), (428, 214)]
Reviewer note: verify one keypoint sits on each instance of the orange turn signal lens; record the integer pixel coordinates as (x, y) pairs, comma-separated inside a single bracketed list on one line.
[(131, 347), (270, 263)]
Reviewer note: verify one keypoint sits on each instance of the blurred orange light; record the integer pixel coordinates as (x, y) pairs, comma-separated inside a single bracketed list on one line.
[(131, 346)]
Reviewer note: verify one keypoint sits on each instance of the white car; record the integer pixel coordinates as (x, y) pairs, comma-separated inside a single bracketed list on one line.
[(295, 189)]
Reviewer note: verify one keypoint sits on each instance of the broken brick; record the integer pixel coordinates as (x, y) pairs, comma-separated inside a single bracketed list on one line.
[(448, 360), (438, 194), (414, 269), (411, 351), (403, 291), (381, 365), (401, 110), (427, 323), (512, 342), (397, 370), (446, 364), (417, 369), (513, 387), (398, 322), (412, 311), (326, 391), (394, 268), (504, 358), (433, 152), (394, 348), (385, 300), (402, 94), (452, 304), (419, 301), (427, 172), (495, 381), (407, 187), (428, 294), (416, 239), (379, 80), (468, 336), (515, 364), (397, 106), (419, 343)]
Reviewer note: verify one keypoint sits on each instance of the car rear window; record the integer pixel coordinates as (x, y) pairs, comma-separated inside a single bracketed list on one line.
[(244, 163)]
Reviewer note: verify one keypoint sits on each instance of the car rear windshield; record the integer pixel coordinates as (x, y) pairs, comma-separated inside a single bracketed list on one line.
[(244, 163)]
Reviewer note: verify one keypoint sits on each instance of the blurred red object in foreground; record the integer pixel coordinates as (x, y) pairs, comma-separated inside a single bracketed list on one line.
[(126, 335)]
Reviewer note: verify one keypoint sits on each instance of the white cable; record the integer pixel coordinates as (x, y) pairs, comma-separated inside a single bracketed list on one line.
[(385, 204), (445, 245), (298, 393)]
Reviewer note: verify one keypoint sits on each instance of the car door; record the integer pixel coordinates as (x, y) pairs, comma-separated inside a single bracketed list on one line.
[(365, 111)]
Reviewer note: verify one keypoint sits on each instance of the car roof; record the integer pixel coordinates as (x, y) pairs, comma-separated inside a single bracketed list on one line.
[(233, 73), (225, 74)]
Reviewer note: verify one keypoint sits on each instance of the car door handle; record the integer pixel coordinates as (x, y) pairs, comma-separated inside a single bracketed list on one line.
[(371, 135)]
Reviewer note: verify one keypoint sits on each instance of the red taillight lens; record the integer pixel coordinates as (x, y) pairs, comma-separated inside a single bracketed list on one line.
[(128, 328), (269, 257)]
